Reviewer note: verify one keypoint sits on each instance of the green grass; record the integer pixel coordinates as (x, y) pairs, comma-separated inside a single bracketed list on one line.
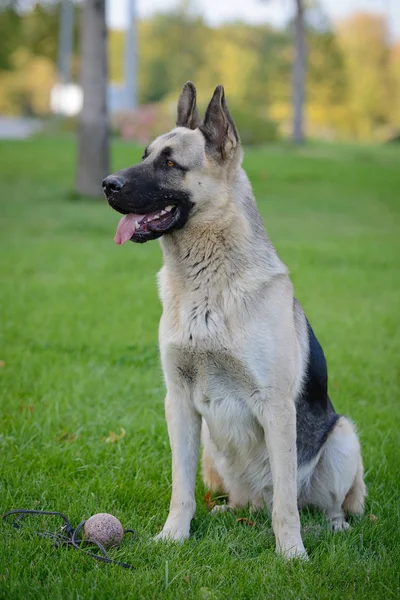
[(78, 339)]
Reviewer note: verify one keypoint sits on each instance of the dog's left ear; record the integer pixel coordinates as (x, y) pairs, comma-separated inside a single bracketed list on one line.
[(188, 115), (218, 127)]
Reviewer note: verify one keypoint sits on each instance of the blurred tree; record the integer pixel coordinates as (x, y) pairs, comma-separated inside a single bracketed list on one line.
[(25, 89), (10, 32), (172, 51), (232, 54), (229, 57), (65, 40), (364, 41), (116, 43), (352, 77), (326, 83), (40, 30), (269, 83), (93, 131), (37, 30), (298, 72), (394, 109), (28, 42)]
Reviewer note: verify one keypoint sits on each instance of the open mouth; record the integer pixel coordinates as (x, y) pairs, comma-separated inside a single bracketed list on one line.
[(140, 228)]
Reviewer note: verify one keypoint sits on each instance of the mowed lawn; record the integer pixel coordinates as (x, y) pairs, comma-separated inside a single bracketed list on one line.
[(79, 319)]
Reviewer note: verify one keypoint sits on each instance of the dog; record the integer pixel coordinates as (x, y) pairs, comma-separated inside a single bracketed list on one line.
[(244, 371)]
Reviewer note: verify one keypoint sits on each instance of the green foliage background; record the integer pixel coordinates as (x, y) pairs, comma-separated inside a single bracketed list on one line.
[(353, 79)]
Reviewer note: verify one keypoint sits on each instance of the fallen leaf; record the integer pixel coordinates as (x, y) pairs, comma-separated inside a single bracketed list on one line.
[(373, 518), (115, 437), (66, 437), (30, 408), (245, 521), (207, 500)]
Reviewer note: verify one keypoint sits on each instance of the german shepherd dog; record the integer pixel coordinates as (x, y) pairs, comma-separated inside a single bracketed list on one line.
[(243, 368)]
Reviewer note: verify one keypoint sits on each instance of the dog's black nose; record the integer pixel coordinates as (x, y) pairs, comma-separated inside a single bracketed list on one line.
[(112, 184)]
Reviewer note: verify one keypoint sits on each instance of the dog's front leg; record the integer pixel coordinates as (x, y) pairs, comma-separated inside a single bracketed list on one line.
[(184, 425), (277, 415), (280, 430)]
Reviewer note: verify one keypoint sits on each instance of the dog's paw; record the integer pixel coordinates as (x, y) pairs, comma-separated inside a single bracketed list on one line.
[(340, 526), (220, 508), (296, 552), (292, 551), (172, 534)]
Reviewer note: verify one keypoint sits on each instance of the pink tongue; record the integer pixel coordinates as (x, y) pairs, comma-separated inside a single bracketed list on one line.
[(126, 228)]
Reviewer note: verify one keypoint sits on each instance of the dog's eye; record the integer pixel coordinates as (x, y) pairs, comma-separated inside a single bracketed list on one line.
[(170, 163)]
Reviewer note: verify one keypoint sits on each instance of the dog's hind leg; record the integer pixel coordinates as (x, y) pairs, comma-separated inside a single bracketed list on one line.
[(337, 484), (354, 501)]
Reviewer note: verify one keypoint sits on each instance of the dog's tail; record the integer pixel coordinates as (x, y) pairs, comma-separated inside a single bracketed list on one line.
[(355, 498)]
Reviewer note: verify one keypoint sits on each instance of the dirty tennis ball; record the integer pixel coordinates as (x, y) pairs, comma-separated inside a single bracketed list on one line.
[(103, 528)]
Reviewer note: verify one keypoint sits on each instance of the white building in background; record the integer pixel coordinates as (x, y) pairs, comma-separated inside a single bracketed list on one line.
[(66, 99)]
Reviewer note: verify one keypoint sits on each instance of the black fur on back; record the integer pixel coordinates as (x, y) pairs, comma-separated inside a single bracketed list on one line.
[(315, 415)]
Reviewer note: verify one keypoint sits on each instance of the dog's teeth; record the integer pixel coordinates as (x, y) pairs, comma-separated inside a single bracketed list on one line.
[(156, 217), (168, 208), (137, 225), (163, 212)]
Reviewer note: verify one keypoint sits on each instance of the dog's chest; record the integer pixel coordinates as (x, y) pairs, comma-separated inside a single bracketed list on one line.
[(220, 390), (201, 315), (199, 325), (222, 356)]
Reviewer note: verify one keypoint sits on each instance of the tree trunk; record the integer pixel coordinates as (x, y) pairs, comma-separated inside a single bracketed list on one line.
[(93, 132), (65, 40), (299, 71)]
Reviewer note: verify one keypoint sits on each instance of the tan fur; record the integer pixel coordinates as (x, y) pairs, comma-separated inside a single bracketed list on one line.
[(212, 479), (355, 498)]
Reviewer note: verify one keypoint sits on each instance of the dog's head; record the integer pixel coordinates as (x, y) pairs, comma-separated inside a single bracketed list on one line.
[(181, 174)]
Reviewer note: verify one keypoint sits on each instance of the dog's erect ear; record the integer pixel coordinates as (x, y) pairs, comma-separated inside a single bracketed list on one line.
[(188, 115), (218, 127)]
